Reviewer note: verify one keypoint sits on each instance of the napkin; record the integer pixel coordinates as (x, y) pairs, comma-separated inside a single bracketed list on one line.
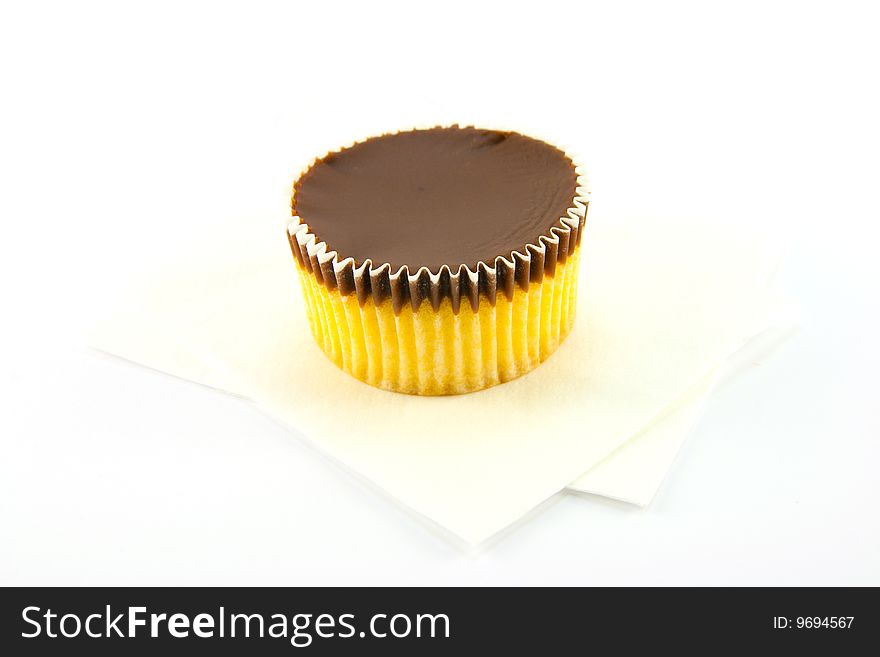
[(661, 307)]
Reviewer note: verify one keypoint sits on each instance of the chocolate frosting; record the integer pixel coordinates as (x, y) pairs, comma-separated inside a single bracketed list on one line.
[(443, 212)]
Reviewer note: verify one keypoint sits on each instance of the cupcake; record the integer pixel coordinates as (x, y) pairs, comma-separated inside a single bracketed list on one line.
[(439, 261)]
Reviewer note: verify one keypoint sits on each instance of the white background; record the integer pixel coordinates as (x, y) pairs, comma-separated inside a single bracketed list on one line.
[(128, 129)]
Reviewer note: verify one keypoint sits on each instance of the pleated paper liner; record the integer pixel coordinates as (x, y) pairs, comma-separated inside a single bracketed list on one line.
[(444, 332)]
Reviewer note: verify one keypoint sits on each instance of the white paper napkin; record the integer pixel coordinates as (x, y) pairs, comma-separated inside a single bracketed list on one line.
[(661, 308), (632, 473)]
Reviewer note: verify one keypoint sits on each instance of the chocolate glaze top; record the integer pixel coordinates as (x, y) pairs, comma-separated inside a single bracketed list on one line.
[(443, 196)]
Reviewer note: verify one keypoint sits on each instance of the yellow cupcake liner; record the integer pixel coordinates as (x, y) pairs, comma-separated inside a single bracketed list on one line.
[(439, 352)]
